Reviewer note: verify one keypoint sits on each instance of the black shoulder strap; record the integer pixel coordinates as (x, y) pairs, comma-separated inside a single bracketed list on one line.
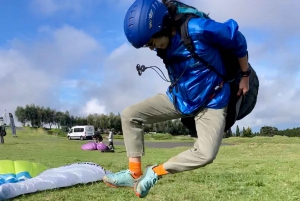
[(189, 45)]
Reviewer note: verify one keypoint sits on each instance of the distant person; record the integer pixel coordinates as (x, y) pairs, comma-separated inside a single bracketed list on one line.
[(97, 137), (111, 139)]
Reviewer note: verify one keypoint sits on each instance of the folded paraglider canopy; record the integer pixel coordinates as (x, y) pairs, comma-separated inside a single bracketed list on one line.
[(23, 177)]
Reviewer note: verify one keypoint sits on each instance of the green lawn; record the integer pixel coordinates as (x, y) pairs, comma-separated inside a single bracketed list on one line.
[(253, 169)]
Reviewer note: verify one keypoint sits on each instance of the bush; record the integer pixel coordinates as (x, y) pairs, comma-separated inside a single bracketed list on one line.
[(59, 132), (64, 129), (50, 132)]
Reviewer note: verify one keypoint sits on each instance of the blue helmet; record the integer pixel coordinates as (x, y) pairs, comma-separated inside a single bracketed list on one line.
[(143, 19)]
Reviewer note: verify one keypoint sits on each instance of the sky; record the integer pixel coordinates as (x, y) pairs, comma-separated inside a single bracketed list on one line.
[(72, 55)]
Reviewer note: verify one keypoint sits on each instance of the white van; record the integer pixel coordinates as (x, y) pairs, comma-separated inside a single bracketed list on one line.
[(81, 132)]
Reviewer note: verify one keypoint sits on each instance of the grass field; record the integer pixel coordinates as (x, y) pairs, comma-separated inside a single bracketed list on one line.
[(257, 168)]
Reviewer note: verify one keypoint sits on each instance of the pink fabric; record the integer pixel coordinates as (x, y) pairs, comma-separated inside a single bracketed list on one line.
[(102, 146), (89, 146)]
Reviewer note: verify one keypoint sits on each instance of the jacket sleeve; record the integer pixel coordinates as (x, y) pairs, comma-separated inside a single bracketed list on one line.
[(224, 34)]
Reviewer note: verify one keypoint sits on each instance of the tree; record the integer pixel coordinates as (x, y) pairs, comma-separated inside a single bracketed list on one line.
[(91, 119), (118, 123), (242, 134), (237, 132), (111, 120), (50, 117), (67, 120), (268, 131), (32, 115), (21, 115), (248, 132), (228, 133), (103, 121), (58, 119), (41, 116)]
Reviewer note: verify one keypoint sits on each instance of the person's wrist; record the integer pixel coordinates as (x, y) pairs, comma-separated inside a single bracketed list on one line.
[(246, 73)]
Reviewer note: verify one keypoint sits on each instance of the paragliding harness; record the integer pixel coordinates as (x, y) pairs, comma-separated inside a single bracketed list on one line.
[(108, 149), (238, 106)]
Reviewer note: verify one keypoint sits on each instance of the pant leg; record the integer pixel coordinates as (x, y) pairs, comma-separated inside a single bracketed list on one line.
[(210, 124), (152, 110), (111, 144)]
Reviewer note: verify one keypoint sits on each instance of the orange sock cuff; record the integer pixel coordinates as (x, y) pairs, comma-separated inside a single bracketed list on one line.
[(136, 169), (160, 170)]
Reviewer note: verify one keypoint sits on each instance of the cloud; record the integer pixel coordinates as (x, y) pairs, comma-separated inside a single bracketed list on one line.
[(33, 73), (70, 83), (269, 25), (73, 44), (277, 103), (60, 50), (93, 106), (51, 7), (45, 6), (21, 84), (256, 14), (120, 84)]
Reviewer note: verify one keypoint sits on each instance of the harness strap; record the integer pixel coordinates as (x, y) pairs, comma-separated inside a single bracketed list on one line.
[(189, 45)]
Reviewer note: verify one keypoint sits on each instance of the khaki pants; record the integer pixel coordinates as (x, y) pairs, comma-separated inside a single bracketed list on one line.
[(210, 125)]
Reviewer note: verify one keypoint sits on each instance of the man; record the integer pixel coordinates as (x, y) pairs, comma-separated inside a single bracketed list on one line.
[(97, 137), (111, 139), (148, 23)]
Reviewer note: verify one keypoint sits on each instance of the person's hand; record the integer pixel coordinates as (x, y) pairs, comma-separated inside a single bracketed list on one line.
[(244, 86)]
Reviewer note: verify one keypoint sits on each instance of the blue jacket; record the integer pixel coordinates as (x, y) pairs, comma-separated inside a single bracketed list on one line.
[(197, 83)]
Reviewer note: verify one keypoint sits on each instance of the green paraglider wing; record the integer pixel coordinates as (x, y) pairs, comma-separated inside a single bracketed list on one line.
[(16, 171)]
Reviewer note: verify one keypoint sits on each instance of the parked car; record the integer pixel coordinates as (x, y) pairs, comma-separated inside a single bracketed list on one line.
[(81, 132)]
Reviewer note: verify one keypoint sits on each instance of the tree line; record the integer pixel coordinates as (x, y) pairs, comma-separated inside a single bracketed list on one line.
[(271, 131), (37, 116), (268, 131)]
